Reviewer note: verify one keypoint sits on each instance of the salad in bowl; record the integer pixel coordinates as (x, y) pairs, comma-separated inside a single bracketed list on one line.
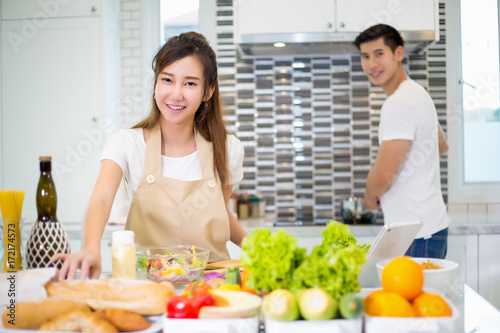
[(178, 264)]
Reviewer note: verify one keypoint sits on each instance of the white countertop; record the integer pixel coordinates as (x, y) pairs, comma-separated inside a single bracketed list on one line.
[(479, 314)]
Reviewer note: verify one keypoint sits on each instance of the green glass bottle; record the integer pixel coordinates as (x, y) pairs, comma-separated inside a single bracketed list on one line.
[(47, 237)]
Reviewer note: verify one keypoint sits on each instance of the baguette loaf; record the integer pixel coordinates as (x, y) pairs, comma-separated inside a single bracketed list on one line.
[(30, 315), (140, 296)]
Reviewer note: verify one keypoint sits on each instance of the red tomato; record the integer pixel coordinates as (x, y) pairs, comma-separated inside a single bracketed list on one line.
[(185, 306), (155, 263), (181, 306)]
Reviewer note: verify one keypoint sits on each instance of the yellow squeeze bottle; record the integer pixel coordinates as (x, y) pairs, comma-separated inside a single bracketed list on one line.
[(123, 254)]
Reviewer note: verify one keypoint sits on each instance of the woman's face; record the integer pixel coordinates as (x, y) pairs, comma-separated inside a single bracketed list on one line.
[(180, 90)]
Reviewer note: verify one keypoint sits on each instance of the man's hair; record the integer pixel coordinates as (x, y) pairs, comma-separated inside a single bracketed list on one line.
[(392, 37)]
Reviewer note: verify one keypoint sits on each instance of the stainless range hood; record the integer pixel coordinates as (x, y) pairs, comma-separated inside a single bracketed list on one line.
[(322, 43)]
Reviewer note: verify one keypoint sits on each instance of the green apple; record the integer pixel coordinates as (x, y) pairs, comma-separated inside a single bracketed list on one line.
[(280, 304), (317, 304)]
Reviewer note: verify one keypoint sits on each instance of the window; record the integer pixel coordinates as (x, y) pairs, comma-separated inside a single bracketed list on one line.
[(473, 100), (178, 17), (480, 91)]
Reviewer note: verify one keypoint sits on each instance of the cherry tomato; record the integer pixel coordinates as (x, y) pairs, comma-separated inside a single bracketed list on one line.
[(196, 288)]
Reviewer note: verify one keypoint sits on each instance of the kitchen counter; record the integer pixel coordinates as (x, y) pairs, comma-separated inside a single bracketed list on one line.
[(456, 228), (475, 246), (363, 230), (478, 312)]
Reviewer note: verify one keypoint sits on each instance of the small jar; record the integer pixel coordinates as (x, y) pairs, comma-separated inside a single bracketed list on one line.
[(244, 206), (254, 206), (123, 254)]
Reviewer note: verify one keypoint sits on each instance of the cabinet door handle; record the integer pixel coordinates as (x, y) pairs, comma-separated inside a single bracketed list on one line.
[(342, 24), (93, 9), (329, 25)]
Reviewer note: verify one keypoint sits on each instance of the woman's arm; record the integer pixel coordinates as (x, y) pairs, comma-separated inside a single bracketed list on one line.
[(236, 230), (98, 210), (100, 204)]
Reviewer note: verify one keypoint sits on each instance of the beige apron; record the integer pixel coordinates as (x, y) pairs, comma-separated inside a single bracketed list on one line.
[(166, 211)]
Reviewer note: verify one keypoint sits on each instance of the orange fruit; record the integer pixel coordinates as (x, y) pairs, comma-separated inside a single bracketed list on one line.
[(431, 305), (372, 296), (389, 304), (403, 276)]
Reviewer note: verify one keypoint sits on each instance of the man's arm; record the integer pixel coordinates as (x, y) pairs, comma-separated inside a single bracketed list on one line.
[(390, 156), (443, 145)]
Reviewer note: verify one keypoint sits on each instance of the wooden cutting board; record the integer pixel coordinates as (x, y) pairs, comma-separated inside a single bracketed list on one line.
[(222, 264)]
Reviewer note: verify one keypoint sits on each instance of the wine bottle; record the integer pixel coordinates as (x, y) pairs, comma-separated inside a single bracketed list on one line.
[(47, 237)]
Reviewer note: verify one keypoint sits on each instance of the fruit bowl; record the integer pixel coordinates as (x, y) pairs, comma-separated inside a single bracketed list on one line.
[(440, 279), (178, 264)]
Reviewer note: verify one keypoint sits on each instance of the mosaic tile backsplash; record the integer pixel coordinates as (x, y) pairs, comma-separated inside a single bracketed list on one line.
[(309, 124)]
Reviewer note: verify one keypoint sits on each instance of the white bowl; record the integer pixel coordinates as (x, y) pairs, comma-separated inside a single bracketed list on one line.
[(438, 279)]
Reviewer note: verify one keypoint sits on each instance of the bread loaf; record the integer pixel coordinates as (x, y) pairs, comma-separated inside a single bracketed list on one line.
[(79, 321), (124, 320), (30, 315), (140, 296)]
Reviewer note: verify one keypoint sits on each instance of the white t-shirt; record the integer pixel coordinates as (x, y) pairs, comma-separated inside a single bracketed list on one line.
[(127, 148), (415, 194)]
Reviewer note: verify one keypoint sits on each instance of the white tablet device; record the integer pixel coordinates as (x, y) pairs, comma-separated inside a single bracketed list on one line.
[(392, 241)]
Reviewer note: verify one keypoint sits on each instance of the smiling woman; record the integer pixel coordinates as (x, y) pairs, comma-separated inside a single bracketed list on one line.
[(179, 163)]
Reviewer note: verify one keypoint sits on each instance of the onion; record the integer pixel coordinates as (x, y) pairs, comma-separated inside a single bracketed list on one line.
[(212, 275)]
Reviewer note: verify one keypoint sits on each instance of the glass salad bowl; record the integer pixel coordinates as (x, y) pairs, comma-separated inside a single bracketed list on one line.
[(178, 264)]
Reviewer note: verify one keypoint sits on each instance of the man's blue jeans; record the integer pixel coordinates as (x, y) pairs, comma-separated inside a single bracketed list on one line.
[(434, 247)]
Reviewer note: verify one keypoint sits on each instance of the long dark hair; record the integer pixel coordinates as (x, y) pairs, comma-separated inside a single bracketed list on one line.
[(208, 120)]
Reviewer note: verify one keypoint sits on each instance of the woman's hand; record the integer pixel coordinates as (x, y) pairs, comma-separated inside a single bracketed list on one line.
[(88, 262)]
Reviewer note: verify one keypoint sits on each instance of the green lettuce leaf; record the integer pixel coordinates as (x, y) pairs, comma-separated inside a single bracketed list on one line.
[(333, 265), (142, 263), (275, 261), (270, 258)]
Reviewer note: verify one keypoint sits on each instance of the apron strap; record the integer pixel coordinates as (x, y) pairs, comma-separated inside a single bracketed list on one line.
[(153, 153), (205, 154)]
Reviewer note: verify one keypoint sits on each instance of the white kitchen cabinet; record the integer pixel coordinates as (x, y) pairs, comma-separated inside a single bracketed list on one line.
[(489, 268), (263, 17), (59, 80), (42, 9), (290, 16), (404, 15), (463, 249)]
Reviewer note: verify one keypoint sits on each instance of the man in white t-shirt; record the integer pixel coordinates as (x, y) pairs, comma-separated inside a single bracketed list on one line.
[(405, 179)]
